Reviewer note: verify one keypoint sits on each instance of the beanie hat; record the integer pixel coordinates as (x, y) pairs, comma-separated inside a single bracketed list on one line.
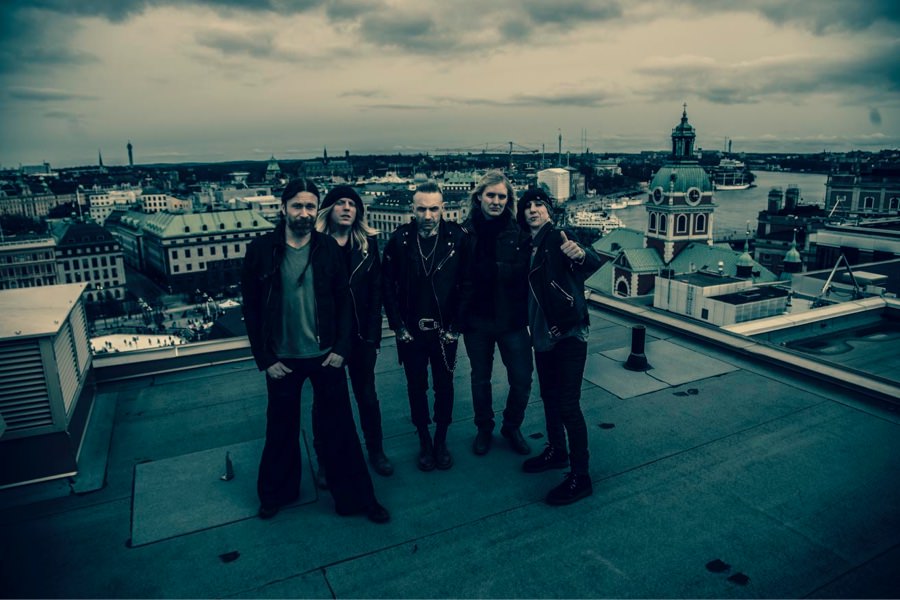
[(533, 195), (344, 191)]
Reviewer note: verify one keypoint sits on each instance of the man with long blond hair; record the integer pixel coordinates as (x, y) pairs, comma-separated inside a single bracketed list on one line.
[(342, 216), (499, 310)]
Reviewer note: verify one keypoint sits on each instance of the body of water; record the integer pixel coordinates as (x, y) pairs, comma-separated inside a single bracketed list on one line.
[(735, 207)]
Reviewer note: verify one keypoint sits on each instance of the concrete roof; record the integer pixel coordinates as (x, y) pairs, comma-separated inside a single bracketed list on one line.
[(715, 475), (28, 312)]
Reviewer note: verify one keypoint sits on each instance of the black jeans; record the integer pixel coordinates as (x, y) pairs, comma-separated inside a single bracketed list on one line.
[(280, 466), (361, 367), (560, 372), (425, 349), (515, 351)]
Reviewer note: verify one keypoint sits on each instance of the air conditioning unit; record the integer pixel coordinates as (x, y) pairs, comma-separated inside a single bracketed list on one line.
[(45, 389)]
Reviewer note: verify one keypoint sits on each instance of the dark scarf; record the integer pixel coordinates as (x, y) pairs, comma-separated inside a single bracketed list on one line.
[(484, 268)]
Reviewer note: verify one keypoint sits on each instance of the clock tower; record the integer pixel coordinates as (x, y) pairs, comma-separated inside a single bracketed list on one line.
[(680, 208)]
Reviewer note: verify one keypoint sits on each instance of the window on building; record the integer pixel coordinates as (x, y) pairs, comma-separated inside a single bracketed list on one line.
[(66, 265), (681, 224), (174, 254), (187, 252), (115, 272), (176, 268), (199, 251), (652, 225), (894, 203), (103, 261), (212, 250), (97, 275), (237, 247), (190, 266), (662, 224), (68, 278), (704, 314), (204, 228), (105, 273), (868, 203), (199, 265), (701, 223), (94, 262)]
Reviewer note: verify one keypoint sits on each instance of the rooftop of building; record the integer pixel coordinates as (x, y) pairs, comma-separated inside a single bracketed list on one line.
[(717, 473)]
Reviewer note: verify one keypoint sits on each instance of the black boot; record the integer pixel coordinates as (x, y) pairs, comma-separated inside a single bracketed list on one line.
[(442, 457), (381, 463), (575, 487), (426, 451), (551, 458)]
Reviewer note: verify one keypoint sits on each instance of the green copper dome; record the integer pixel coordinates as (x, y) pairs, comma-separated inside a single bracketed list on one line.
[(686, 176)]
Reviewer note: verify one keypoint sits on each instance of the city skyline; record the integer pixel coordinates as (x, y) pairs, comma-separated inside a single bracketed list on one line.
[(205, 81)]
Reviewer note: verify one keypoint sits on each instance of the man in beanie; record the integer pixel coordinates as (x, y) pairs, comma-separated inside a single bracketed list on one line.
[(499, 311), (342, 216), (426, 264), (297, 312), (558, 319)]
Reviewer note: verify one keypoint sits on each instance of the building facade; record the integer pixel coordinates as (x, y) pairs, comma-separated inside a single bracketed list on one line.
[(557, 182), (864, 195), (204, 251), (28, 263), (87, 253)]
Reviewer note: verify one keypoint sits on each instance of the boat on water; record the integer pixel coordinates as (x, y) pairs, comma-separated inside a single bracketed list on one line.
[(730, 174), (598, 221)]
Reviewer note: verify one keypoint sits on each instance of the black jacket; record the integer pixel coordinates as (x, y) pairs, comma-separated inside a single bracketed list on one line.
[(449, 279), (261, 289), (557, 281), (365, 292), (507, 287)]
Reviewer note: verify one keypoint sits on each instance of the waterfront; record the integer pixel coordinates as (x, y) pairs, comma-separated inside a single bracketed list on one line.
[(734, 208)]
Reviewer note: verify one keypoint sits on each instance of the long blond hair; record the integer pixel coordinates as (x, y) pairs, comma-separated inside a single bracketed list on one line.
[(359, 230)]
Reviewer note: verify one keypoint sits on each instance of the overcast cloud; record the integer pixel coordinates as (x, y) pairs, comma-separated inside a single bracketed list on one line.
[(224, 80)]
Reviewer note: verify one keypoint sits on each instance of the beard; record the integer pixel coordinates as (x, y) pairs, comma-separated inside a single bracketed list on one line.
[(300, 226)]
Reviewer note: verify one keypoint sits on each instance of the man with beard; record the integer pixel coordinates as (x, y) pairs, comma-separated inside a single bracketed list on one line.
[(425, 277), (297, 312)]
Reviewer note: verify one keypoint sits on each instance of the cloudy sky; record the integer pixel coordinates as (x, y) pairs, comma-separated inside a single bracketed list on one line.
[(215, 80)]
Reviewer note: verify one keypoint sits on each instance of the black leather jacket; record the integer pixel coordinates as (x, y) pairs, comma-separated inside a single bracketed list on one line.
[(365, 292), (261, 289), (557, 281), (449, 280)]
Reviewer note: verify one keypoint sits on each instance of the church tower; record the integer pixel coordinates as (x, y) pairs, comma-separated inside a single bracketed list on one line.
[(680, 209)]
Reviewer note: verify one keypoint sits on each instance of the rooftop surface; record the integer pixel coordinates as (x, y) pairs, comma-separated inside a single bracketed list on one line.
[(790, 482)]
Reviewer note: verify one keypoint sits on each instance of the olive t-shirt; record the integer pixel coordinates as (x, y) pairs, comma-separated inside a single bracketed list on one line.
[(298, 335)]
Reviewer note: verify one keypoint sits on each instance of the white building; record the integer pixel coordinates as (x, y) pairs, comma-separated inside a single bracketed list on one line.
[(268, 206), (718, 299), (104, 202), (156, 202), (557, 181)]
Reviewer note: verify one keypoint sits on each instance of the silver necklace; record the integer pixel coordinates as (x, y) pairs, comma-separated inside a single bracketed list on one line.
[(424, 258)]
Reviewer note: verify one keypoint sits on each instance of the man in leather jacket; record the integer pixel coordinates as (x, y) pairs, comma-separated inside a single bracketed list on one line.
[(426, 290), (297, 313), (558, 319)]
